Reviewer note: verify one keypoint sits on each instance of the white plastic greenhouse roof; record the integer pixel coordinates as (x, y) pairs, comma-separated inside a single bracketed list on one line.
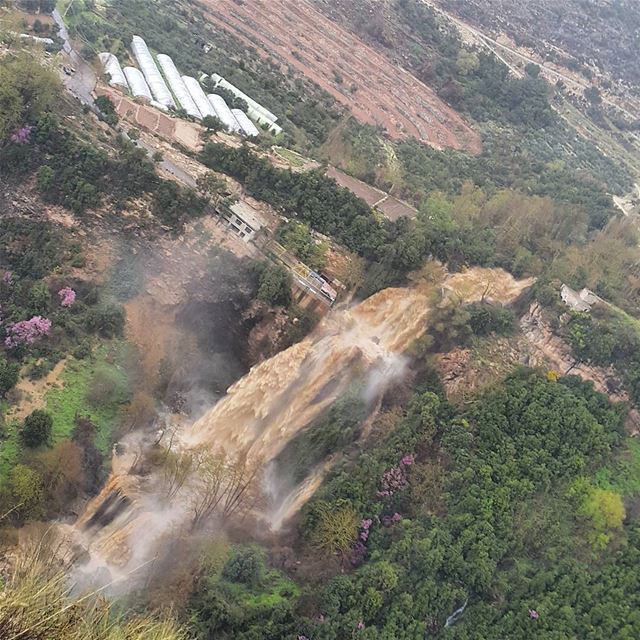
[(260, 111), (248, 127), (199, 97), (112, 67), (137, 83), (177, 85), (224, 113), (151, 73)]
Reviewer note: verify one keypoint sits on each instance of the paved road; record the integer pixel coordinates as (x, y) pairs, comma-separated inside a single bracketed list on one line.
[(168, 165), (83, 81)]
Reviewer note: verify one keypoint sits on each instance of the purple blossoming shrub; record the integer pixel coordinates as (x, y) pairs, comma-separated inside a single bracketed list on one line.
[(22, 135), (27, 332), (395, 478), (67, 296)]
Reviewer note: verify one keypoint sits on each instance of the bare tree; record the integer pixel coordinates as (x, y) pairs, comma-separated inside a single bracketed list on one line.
[(208, 486), (220, 484), (177, 467), (239, 481)]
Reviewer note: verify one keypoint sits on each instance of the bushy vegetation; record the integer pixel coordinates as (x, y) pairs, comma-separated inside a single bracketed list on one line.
[(297, 237), (475, 507), (608, 338), (499, 508), (527, 235), (75, 174), (36, 430), (516, 510), (241, 599)]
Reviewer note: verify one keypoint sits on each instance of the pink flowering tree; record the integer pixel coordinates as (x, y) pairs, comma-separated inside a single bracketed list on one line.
[(395, 479), (67, 296), (26, 332), (21, 135)]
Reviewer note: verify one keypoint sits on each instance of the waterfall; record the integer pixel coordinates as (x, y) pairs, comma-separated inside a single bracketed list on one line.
[(277, 399)]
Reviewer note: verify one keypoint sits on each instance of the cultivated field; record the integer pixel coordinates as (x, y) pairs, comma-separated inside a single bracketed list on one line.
[(375, 90)]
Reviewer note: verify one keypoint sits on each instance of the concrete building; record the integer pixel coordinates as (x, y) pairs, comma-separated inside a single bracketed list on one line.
[(579, 301), (242, 219)]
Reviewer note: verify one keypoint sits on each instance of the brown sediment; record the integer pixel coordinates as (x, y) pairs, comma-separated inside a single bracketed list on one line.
[(275, 401)]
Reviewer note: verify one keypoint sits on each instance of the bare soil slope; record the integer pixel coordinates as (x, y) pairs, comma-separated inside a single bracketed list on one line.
[(369, 84)]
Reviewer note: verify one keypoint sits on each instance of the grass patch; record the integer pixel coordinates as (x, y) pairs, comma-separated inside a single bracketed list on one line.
[(9, 450), (624, 475), (293, 158), (95, 387), (79, 379), (275, 590)]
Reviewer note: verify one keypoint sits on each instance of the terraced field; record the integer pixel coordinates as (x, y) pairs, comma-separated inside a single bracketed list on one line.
[(377, 91)]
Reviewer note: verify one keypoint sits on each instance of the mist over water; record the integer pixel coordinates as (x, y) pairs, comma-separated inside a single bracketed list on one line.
[(231, 450)]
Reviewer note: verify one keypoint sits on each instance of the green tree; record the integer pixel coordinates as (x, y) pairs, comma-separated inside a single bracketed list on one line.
[(36, 429), (9, 374), (335, 527), (107, 110), (274, 285), (246, 565), (212, 124), (211, 187), (297, 237), (27, 90)]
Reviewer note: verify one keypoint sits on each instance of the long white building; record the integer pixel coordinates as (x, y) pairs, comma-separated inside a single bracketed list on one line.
[(224, 114), (256, 111), (177, 85), (137, 84), (112, 67), (199, 96), (151, 73), (248, 128)]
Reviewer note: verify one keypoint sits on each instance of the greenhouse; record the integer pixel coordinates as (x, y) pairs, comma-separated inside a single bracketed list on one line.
[(248, 128), (179, 89), (154, 79), (198, 96), (224, 113), (113, 69), (256, 111), (137, 84)]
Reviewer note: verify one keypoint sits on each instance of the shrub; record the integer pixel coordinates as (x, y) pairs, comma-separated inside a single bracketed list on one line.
[(107, 110), (274, 285), (107, 388), (27, 491), (246, 565), (487, 318), (107, 320), (9, 373), (36, 429)]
